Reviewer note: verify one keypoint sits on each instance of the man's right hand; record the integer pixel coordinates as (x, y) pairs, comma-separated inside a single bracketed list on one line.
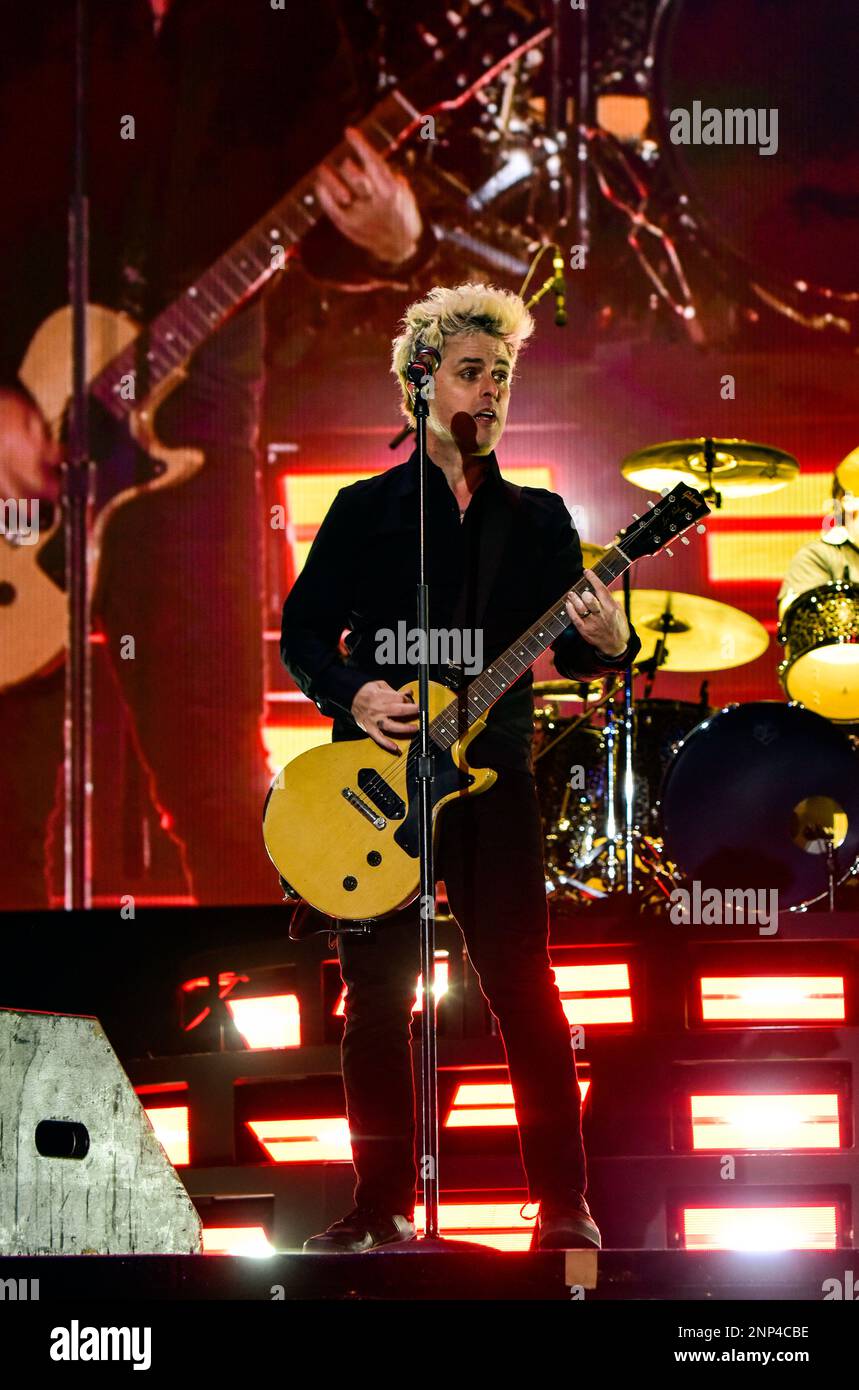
[(380, 710), (28, 455)]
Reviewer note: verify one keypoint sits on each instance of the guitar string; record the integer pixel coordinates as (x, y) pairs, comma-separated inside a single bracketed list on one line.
[(382, 775)]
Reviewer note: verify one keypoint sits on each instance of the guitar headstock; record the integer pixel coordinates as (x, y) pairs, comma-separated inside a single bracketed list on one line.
[(679, 508)]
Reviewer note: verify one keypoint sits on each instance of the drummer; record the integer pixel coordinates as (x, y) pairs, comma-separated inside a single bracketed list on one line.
[(836, 555)]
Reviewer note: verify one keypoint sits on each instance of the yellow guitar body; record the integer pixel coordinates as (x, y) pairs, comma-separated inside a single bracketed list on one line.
[(323, 829), (34, 611)]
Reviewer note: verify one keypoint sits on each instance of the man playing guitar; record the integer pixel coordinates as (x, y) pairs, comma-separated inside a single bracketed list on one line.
[(193, 108), (361, 574)]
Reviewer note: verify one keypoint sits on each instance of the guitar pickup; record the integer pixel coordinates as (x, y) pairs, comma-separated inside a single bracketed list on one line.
[(381, 793)]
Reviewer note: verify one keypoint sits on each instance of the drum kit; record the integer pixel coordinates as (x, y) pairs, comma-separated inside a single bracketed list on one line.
[(640, 795)]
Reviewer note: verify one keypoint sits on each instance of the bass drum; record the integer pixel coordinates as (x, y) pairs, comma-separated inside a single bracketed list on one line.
[(742, 798), (790, 214), (820, 633)]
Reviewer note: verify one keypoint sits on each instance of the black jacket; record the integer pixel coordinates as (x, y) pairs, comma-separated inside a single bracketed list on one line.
[(361, 574)]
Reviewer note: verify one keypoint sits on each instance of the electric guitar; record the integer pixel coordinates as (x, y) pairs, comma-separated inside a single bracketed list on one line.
[(340, 821), (130, 372)]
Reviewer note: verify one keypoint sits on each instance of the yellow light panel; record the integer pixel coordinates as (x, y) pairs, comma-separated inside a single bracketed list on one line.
[(317, 1140), (799, 1227), (753, 554), (170, 1123), (765, 1122), (772, 998), (274, 1021), (283, 742), (494, 1224), (486, 1104), (576, 982), (237, 1240)]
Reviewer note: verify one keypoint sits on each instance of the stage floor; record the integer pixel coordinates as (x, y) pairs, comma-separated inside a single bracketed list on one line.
[(410, 1274)]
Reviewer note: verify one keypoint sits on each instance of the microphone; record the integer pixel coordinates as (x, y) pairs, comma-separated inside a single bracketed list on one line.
[(559, 290), (425, 361)]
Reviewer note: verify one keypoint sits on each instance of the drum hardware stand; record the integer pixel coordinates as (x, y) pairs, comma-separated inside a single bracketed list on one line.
[(610, 736), (628, 749), (830, 868), (709, 493), (823, 834)]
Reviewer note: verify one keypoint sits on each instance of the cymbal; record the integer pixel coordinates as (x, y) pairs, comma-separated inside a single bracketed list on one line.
[(702, 635), (592, 554), (740, 468), (847, 472), (568, 690)]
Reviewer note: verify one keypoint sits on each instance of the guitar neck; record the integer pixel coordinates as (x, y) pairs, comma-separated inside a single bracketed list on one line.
[(481, 693), (181, 328)]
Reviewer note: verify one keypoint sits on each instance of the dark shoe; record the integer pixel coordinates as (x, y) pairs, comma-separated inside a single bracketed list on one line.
[(361, 1230), (567, 1228)]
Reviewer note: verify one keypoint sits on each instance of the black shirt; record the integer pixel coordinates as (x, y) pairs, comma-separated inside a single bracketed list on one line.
[(361, 574)]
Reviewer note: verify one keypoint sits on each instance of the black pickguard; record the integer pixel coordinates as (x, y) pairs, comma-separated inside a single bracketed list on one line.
[(446, 779)]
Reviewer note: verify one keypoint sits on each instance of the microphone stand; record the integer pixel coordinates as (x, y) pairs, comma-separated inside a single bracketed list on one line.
[(431, 1240), (77, 731)]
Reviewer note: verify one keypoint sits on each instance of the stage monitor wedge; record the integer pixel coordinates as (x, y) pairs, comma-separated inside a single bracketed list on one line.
[(81, 1171)]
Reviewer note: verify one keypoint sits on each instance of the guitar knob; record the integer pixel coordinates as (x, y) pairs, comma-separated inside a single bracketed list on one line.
[(374, 857), (350, 883)]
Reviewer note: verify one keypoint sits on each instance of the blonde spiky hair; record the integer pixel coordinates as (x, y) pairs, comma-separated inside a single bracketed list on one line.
[(446, 311)]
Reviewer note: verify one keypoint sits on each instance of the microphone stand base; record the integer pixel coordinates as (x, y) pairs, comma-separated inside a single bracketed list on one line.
[(434, 1245)]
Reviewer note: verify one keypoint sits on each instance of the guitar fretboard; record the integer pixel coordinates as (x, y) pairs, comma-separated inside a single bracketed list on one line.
[(477, 697), (181, 328)]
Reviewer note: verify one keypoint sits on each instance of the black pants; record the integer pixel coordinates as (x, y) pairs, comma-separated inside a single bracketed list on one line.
[(490, 856)]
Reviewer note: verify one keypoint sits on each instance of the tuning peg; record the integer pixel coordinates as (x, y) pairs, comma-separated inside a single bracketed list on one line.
[(650, 504), (636, 516), (700, 529), (663, 492), (684, 540), (669, 551)]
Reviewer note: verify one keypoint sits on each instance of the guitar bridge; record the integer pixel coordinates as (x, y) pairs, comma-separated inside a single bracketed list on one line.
[(364, 807)]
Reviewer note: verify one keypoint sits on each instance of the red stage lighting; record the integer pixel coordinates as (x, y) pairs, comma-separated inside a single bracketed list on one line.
[(321, 1139), (795, 1226), (478, 1103), (726, 1123), (493, 1223), (170, 1123), (237, 1240), (596, 993), (772, 998)]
